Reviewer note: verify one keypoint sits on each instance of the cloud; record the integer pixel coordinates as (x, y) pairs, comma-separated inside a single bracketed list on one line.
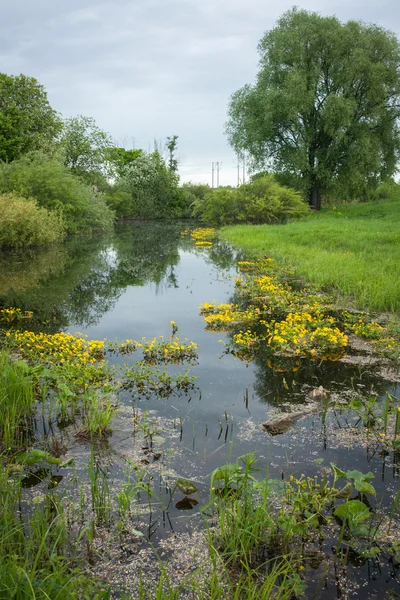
[(152, 68)]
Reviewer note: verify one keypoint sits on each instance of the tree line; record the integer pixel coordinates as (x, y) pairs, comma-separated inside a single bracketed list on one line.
[(60, 176), (321, 122)]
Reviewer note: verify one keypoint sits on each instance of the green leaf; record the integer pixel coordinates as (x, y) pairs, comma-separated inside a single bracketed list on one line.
[(22, 364), (229, 473), (361, 481), (337, 473), (65, 389), (360, 531), (358, 475), (353, 512), (187, 487), (346, 491), (34, 456)]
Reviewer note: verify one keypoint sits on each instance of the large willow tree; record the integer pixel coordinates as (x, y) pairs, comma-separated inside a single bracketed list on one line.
[(325, 106)]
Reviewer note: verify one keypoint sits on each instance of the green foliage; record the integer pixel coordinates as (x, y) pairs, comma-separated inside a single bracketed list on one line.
[(388, 190), (325, 105), (172, 144), (153, 188), (84, 147), (24, 223), (119, 202), (190, 192), (262, 200), (37, 551), (55, 188), (121, 158), (27, 121), (17, 400), (353, 513)]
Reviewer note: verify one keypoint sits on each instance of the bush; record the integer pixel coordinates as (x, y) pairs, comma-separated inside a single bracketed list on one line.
[(153, 188), (120, 202), (24, 223), (262, 200), (192, 192), (388, 190), (55, 188)]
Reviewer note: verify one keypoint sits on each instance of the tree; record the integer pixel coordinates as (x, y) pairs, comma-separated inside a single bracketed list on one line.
[(84, 147), (27, 121), (172, 144), (121, 159), (153, 188), (325, 106)]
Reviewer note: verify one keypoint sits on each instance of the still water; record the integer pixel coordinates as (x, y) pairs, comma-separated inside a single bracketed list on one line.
[(131, 284)]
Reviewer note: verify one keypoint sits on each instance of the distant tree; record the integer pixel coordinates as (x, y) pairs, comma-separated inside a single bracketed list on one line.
[(172, 144), (120, 159), (84, 147), (325, 106), (153, 187), (27, 121)]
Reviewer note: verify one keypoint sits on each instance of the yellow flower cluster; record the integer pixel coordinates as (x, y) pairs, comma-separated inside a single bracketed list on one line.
[(224, 317), (203, 244), (203, 236), (174, 350), (303, 334), (59, 347), (246, 265), (12, 314), (377, 335), (271, 314), (246, 338), (370, 330), (72, 355)]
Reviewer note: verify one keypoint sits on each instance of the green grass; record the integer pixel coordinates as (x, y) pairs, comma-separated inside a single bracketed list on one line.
[(17, 401), (353, 250)]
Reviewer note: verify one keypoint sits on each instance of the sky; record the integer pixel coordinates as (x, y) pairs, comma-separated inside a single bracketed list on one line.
[(148, 69)]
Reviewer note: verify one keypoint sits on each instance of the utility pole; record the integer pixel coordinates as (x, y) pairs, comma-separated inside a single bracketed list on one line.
[(212, 176), (244, 169), (238, 174), (217, 174)]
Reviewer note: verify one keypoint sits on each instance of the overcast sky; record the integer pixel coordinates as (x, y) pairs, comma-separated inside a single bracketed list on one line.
[(147, 69)]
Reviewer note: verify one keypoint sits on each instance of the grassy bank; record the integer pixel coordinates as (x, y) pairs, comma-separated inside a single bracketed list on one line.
[(353, 250)]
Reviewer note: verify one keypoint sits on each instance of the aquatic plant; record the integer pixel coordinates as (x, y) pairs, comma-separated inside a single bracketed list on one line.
[(270, 314)]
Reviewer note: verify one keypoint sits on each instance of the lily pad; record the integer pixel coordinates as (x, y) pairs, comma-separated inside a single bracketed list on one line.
[(35, 456), (187, 487)]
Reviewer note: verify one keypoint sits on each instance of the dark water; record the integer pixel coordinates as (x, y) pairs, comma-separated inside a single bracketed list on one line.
[(132, 283)]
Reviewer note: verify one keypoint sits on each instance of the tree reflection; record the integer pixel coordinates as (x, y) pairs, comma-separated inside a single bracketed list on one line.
[(80, 280)]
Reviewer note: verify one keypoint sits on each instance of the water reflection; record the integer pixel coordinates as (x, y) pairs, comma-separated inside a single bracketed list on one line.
[(81, 280)]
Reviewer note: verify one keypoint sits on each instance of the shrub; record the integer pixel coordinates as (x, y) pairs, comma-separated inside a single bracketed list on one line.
[(55, 188), (120, 202), (262, 200), (24, 223), (190, 193), (388, 190), (153, 188)]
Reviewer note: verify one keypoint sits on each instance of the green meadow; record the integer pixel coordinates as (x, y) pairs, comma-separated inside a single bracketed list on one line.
[(351, 250)]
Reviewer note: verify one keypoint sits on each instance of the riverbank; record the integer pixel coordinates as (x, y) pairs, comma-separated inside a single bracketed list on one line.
[(352, 250)]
